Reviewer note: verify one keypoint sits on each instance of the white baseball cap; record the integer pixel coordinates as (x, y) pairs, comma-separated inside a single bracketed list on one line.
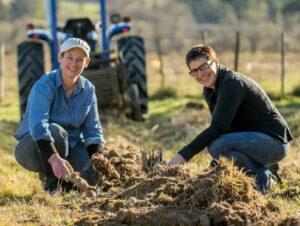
[(71, 43)]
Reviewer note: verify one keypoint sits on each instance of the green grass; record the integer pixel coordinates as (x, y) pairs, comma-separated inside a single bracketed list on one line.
[(290, 108), (7, 127), (9, 115)]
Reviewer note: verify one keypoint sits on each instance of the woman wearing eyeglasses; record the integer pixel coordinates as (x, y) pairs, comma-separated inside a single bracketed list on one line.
[(245, 124)]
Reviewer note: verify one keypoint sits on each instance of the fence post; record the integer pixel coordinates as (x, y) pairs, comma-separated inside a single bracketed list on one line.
[(2, 55), (282, 45), (237, 51)]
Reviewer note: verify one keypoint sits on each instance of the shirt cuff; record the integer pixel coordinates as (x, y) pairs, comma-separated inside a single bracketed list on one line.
[(93, 148), (186, 154)]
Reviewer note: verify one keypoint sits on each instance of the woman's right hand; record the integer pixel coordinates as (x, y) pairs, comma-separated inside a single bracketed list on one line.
[(61, 168)]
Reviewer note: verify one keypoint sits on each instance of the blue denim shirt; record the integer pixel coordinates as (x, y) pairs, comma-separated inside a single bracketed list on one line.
[(48, 103)]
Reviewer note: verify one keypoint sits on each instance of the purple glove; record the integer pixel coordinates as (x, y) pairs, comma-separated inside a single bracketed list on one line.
[(61, 168), (177, 160)]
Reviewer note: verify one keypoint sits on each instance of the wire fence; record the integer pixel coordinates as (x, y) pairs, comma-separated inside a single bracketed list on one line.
[(271, 57)]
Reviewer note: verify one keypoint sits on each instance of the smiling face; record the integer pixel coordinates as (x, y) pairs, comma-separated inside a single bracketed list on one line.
[(206, 77), (72, 63)]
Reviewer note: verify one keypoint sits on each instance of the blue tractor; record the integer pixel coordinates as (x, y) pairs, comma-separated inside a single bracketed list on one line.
[(119, 76)]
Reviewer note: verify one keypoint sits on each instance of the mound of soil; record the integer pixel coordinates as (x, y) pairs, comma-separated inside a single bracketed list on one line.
[(136, 189)]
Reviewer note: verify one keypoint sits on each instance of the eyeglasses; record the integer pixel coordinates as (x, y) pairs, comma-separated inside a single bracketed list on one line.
[(202, 67)]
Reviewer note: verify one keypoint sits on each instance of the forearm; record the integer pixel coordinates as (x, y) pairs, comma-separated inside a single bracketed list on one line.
[(47, 147), (45, 150), (200, 142), (39, 106)]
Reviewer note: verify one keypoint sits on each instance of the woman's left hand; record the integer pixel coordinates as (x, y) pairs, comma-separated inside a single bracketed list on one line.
[(177, 160), (97, 155)]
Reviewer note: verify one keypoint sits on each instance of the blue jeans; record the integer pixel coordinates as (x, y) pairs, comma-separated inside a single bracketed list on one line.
[(26, 154), (252, 151)]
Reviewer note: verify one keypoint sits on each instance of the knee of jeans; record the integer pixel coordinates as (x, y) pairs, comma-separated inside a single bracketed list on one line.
[(18, 156), (286, 149), (60, 137), (57, 131), (28, 162), (216, 149)]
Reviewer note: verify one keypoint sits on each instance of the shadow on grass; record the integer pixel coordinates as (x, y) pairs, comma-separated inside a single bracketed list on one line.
[(8, 197), (163, 94), (7, 131), (9, 127)]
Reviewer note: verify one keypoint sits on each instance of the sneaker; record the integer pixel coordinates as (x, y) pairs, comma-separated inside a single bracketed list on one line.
[(263, 180), (274, 170), (51, 185)]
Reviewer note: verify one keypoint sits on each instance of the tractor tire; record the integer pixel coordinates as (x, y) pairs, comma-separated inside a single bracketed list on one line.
[(30, 69), (133, 92), (133, 52)]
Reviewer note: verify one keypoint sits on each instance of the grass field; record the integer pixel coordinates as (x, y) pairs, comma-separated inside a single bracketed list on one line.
[(171, 125)]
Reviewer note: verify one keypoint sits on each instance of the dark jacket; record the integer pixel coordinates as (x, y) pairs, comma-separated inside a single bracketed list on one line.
[(238, 104)]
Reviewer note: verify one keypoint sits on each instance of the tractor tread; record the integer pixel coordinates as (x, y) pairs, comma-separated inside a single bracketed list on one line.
[(133, 51), (30, 68)]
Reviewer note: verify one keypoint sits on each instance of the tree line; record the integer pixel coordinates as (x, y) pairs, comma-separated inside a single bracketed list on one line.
[(204, 11), (18, 9), (236, 11)]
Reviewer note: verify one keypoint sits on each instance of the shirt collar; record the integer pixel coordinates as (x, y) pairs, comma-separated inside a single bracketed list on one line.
[(80, 83), (219, 79), (59, 82), (220, 76)]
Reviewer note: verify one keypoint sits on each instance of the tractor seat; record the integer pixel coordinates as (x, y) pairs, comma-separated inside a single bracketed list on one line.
[(79, 28)]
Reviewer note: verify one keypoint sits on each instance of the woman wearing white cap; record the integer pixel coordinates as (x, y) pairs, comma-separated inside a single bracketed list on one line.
[(61, 124)]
